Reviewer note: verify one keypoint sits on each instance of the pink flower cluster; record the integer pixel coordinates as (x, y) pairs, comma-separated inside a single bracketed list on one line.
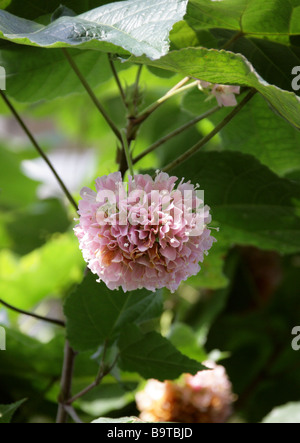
[(159, 244), (204, 398), (225, 94)]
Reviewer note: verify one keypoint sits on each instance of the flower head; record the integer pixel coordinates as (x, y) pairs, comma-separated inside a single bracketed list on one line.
[(151, 235), (224, 94), (204, 398)]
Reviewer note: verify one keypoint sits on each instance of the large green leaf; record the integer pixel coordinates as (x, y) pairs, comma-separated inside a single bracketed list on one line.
[(152, 355), (225, 67), (269, 138), (95, 314), (7, 411), (264, 32), (289, 413), (250, 203), (248, 16), (138, 26)]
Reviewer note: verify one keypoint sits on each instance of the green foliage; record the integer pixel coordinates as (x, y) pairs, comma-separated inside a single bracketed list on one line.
[(256, 138), (152, 355), (7, 411), (226, 67), (96, 315), (29, 80), (249, 202)]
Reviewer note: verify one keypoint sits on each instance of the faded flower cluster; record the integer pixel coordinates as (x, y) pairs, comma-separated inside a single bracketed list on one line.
[(204, 398), (146, 233)]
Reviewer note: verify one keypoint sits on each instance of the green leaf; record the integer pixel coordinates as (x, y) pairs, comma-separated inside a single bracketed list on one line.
[(95, 314), (264, 32), (269, 138), (29, 80), (211, 275), (249, 16), (250, 203), (289, 413), (140, 27), (185, 340), (225, 67), (119, 420), (152, 355), (4, 3), (7, 411), (45, 271), (40, 361)]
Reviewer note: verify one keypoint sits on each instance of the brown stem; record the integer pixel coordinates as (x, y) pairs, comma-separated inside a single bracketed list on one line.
[(66, 383)]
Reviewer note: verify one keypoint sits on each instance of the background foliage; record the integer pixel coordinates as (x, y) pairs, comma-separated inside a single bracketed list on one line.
[(245, 301)]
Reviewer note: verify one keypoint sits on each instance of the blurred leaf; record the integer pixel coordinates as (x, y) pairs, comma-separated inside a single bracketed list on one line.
[(31, 228), (119, 420), (225, 67), (7, 411), (108, 397), (152, 355), (211, 275), (15, 188), (43, 272), (95, 314), (249, 202), (4, 3), (122, 24), (39, 360), (289, 413), (185, 340)]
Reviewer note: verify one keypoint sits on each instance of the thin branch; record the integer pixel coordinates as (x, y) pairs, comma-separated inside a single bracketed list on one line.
[(91, 94), (174, 134), (31, 314), (39, 149), (115, 74), (101, 374), (180, 84), (72, 413), (207, 138), (66, 382)]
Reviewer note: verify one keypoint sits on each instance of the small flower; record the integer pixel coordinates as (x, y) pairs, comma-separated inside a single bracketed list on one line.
[(223, 93), (204, 398), (143, 236)]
